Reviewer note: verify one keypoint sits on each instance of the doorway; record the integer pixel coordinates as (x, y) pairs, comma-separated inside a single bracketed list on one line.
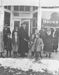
[(7, 19)]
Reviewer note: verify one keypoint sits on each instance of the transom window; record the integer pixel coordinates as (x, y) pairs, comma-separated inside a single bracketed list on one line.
[(35, 7), (7, 7), (27, 8), (21, 8), (16, 8)]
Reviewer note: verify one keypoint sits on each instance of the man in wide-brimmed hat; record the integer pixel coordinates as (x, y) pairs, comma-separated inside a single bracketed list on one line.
[(23, 40)]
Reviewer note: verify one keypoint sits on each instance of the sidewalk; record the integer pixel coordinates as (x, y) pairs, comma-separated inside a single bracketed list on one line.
[(55, 55)]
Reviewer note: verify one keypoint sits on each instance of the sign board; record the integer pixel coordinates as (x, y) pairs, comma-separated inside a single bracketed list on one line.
[(49, 3), (50, 23), (50, 18)]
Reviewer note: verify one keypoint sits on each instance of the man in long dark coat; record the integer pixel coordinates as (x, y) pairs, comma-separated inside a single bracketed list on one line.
[(23, 41)]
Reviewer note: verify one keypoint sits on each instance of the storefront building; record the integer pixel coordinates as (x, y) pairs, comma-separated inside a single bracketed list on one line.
[(31, 12), (15, 13)]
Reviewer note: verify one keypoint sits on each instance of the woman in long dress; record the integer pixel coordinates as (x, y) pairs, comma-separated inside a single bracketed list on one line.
[(15, 41)]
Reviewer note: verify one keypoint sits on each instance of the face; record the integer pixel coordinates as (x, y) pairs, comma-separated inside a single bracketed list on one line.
[(49, 32)]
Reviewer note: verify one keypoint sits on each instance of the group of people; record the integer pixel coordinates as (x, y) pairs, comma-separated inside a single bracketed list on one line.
[(44, 42), (16, 42), (41, 42)]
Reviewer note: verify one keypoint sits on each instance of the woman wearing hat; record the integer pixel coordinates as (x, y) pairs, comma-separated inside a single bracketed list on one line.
[(48, 45)]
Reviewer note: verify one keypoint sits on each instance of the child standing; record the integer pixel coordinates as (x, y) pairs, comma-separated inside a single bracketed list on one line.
[(9, 45), (38, 46)]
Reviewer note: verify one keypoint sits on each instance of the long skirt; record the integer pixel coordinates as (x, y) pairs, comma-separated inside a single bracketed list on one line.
[(15, 47)]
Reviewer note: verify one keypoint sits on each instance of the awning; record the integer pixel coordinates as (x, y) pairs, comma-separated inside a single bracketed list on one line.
[(20, 2), (49, 3), (44, 3)]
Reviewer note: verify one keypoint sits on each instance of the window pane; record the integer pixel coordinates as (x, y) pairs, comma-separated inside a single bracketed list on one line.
[(16, 8), (34, 8), (5, 7), (16, 14), (21, 8), (27, 8), (9, 7), (35, 15)]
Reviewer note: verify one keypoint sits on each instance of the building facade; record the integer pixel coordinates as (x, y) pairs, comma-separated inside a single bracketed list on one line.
[(15, 13)]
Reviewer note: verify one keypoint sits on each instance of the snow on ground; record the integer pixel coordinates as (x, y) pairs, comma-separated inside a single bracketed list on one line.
[(26, 64)]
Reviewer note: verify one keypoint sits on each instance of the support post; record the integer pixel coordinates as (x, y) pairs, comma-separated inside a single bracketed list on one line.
[(39, 17)]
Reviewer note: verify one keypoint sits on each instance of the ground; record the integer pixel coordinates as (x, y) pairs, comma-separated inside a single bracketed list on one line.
[(26, 66), (18, 72)]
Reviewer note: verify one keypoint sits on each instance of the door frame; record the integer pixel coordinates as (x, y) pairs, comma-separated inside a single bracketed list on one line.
[(17, 20)]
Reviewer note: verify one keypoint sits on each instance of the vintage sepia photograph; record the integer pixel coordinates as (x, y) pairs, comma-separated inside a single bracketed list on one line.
[(29, 37)]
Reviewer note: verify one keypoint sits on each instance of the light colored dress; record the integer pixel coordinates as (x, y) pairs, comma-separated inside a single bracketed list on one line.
[(15, 42)]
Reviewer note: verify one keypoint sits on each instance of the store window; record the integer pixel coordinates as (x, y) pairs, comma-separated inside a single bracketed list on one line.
[(22, 8), (16, 8), (27, 8), (35, 7), (35, 15), (7, 7), (16, 14)]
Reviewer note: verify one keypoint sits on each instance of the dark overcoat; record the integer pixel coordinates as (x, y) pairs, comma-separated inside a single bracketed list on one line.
[(5, 34), (23, 41), (9, 44)]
